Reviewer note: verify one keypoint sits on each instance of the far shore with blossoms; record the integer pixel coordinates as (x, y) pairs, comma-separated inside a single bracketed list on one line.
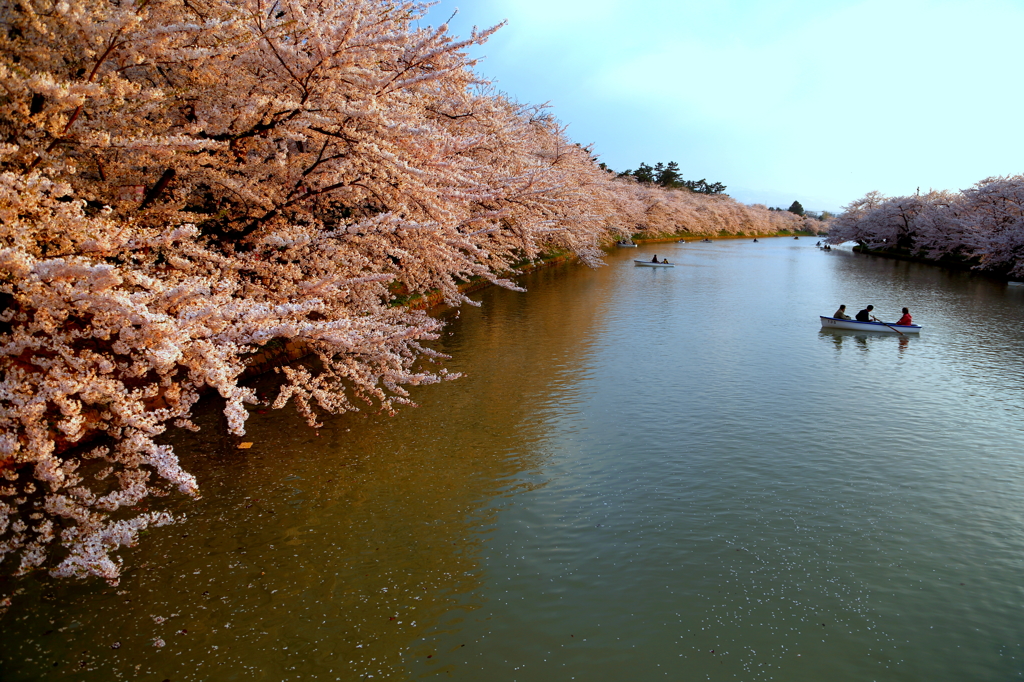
[(982, 226)]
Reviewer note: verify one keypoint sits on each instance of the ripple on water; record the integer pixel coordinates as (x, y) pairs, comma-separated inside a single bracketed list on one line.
[(645, 473)]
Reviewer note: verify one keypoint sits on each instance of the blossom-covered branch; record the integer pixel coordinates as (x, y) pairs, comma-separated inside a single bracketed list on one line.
[(182, 183), (983, 224)]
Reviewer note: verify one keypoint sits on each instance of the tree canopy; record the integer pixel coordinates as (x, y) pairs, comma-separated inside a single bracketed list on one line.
[(183, 184), (983, 224), (669, 176)]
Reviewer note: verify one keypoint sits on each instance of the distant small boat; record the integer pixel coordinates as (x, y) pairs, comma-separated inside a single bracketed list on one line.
[(857, 325), (1015, 284), (649, 264), (626, 245)]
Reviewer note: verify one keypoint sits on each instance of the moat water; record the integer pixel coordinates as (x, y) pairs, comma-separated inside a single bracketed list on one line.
[(645, 474)]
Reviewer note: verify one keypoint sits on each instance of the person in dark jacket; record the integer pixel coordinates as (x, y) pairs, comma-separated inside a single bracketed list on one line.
[(865, 315)]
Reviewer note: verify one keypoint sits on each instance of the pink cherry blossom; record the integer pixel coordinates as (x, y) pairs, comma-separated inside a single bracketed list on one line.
[(183, 183), (983, 223)]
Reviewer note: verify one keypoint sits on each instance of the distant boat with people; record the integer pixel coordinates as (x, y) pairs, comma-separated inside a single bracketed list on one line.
[(653, 264), (625, 244)]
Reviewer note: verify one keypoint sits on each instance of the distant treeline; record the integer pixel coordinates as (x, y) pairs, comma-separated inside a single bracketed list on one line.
[(982, 226), (797, 208), (652, 210), (669, 177)]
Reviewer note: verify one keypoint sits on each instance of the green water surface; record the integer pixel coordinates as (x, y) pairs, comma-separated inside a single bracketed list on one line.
[(645, 474)]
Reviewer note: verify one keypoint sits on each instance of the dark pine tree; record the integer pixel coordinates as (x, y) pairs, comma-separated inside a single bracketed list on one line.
[(644, 174), (702, 186), (669, 176)]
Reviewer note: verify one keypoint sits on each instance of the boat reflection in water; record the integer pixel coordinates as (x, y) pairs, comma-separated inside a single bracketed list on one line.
[(863, 340)]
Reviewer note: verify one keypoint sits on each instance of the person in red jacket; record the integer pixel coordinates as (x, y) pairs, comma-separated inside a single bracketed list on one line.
[(906, 319)]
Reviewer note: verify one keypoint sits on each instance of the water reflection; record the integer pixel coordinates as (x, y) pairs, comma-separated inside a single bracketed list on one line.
[(645, 474), (327, 554), (863, 341)]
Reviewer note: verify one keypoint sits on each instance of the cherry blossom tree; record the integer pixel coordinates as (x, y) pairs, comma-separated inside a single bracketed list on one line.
[(185, 181), (984, 223), (993, 223)]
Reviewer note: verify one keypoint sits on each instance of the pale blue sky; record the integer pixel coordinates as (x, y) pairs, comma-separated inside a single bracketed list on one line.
[(794, 99)]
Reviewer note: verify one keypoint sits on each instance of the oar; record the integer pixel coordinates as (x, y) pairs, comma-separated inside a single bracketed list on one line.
[(887, 325)]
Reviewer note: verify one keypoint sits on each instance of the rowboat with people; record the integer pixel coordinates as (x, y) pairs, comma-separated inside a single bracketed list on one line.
[(625, 245), (652, 264), (857, 325)]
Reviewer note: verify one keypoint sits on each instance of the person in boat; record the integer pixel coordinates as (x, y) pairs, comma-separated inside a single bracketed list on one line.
[(755, 240), (906, 319), (865, 315), (655, 259), (841, 313)]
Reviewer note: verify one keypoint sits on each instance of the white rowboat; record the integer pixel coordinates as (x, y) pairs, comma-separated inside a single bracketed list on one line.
[(649, 264), (836, 323), (626, 246)]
